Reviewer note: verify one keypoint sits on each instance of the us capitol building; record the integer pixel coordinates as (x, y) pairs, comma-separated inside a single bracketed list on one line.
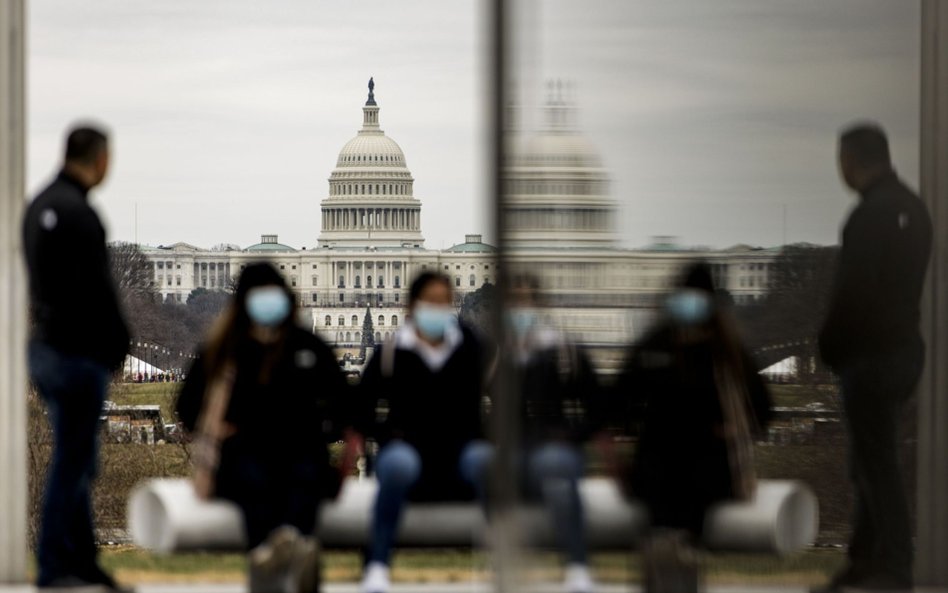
[(559, 219)]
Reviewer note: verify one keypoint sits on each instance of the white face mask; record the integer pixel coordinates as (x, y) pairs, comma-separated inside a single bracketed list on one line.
[(267, 306), (689, 306), (433, 320), (522, 319)]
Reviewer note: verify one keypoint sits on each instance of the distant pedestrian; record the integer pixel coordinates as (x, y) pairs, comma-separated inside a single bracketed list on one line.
[(871, 340), (700, 403), (420, 398), (264, 399), (79, 338)]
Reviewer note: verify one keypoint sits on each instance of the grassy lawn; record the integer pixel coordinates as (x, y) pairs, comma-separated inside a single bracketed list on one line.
[(796, 396), (133, 565), (142, 394)]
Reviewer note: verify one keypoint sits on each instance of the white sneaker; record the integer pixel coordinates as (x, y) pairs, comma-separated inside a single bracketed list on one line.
[(376, 579), (578, 579)]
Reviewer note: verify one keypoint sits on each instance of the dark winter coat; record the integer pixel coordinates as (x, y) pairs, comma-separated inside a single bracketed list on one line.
[(73, 298), (560, 396), (285, 421), (874, 308), (681, 463), (437, 412)]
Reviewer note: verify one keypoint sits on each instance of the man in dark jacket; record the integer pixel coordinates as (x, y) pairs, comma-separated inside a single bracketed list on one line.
[(79, 337), (871, 340)]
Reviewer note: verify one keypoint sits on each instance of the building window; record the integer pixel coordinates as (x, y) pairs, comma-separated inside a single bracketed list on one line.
[(355, 320), (315, 280), (342, 281), (472, 281), (368, 281), (342, 297), (314, 298), (381, 319), (282, 267), (178, 280), (293, 281), (328, 319), (457, 281), (394, 320), (397, 285), (342, 321), (358, 282), (294, 267)]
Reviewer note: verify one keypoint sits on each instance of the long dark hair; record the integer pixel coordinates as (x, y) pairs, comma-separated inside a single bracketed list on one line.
[(231, 330)]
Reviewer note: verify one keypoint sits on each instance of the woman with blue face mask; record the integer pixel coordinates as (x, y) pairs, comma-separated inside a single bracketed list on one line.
[(263, 400), (693, 395), (420, 399)]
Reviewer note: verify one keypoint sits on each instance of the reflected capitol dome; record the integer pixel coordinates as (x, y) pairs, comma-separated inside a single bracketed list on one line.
[(559, 221)]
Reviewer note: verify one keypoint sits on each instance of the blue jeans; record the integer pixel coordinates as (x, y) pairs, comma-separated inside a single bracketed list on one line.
[(397, 469), (555, 470), (74, 390)]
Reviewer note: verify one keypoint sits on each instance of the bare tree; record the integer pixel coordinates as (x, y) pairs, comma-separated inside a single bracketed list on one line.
[(132, 272)]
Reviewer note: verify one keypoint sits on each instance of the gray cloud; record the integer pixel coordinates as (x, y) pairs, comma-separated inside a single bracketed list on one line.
[(712, 117)]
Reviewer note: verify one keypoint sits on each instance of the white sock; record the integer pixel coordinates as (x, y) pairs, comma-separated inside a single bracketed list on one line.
[(578, 579), (376, 579)]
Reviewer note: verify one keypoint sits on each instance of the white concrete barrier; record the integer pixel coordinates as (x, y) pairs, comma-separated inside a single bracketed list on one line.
[(164, 515)]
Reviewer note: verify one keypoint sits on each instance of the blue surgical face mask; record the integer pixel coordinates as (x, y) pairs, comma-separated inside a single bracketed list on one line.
[(433, 320), (522, 319), (268, 306), (689, 306)]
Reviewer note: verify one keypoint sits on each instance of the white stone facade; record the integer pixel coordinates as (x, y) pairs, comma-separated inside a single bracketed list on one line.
[(560, 228)]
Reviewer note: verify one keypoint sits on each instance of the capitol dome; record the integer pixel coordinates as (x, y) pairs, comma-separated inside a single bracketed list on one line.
[(371, 150), (371, 199), (557, 190)]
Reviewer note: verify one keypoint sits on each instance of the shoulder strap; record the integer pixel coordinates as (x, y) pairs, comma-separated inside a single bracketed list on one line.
[(387, 363)]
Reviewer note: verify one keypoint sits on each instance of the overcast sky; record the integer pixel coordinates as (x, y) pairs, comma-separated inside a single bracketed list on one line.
[(712, 117)]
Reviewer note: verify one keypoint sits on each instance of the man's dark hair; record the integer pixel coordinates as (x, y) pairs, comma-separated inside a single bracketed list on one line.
[(424, 279), (84, 144), (867, 144)]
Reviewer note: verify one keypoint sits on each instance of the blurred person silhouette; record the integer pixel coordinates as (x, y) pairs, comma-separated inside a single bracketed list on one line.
[(264, 398), (871, 340), (78, 339), (420, 399), (560, 410), (699, 404)]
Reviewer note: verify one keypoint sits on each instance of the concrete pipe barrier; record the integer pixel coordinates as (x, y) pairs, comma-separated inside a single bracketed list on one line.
[(164, 515)]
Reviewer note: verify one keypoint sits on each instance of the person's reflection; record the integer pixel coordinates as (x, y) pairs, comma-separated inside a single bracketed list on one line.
[(699, 403), (559, 411), (871, 340)]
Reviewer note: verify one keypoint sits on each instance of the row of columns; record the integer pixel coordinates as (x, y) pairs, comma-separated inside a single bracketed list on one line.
[(383, 189), (388, 270), (383, 219)]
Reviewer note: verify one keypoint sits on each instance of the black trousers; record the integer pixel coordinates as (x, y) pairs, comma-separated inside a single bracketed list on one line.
[(875, 390), (271, 494)]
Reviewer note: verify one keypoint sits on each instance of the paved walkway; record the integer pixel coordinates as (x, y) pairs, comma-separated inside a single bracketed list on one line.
[(436, 588)]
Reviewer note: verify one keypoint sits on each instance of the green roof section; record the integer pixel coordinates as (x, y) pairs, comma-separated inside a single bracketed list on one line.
[(472, 244), (269, 243)]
